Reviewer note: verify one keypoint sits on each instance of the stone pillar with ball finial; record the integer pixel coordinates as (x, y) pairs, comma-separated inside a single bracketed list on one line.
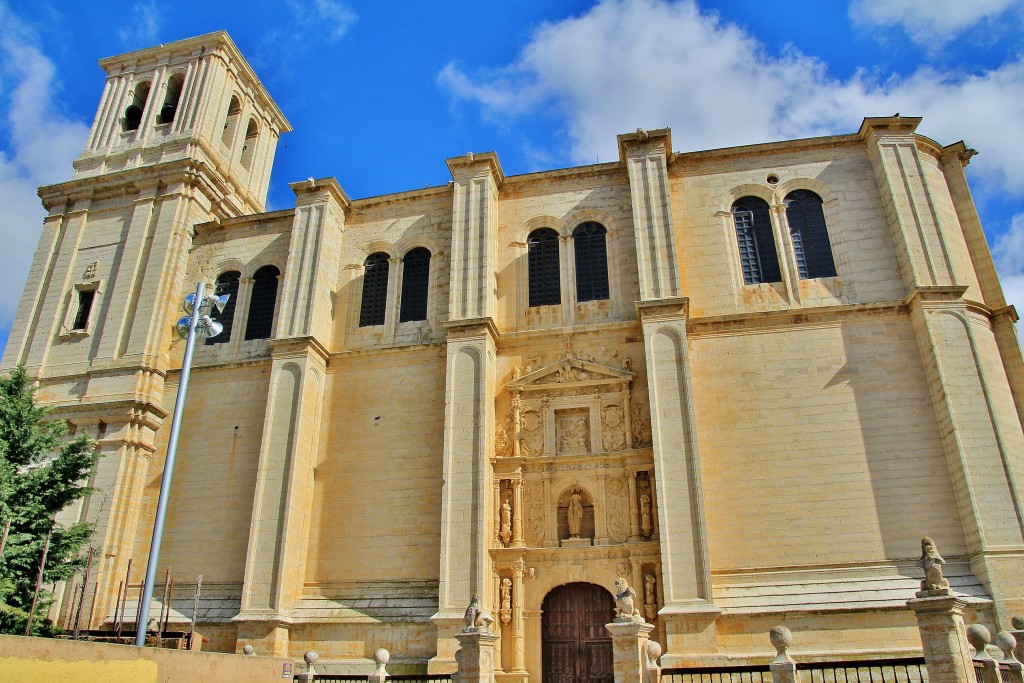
[(783, 667)]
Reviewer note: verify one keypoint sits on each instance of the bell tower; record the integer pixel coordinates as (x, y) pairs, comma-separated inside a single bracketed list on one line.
[(184, 133), (196, 100)]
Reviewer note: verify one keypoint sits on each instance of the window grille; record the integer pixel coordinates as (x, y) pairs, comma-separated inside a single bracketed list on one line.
[(415, 283), (758, 256), (545, 282), (375, 290), (591, 261), (810, 235), (227, 283), (260, 321)]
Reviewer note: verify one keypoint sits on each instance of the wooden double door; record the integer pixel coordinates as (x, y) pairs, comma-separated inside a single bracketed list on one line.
[(576, 647)]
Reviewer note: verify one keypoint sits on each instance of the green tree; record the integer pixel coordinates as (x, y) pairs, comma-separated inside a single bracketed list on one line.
[(41, 473)]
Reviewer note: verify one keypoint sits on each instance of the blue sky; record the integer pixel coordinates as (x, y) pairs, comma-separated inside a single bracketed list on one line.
[(381, 93)]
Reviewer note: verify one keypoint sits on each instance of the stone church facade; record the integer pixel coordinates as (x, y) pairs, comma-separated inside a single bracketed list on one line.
[(746, 380)]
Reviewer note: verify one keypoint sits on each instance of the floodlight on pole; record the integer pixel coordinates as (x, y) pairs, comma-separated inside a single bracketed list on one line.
[(197, 324)]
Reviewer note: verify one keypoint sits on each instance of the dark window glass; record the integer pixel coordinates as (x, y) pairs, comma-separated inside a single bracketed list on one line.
[(375, 290), (810, 235), (85, 299), (415, 279), (261, 305), (591, 261), (227, 283), (758, 257), (545, 285)]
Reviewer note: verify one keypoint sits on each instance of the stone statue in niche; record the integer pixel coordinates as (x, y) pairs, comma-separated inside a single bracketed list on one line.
[(613, 432), (505, 611), (625, 609), (477, 619), (575, 434), (574, 515), (932, 563), (641, 426), (533, 435), (650, 599), (646, 526), (506, 523)]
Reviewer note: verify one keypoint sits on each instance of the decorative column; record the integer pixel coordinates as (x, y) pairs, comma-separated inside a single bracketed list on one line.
[(517, 512), (629, 649), (634, 501), (518, 634)]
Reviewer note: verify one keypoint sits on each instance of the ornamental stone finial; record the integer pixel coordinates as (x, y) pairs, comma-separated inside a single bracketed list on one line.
[(381, 657), (979, 637), (1005, 641), (249, 651), (781, 638)]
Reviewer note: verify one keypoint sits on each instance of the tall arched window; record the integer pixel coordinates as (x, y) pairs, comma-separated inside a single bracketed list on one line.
[(133, 114), (758, 256), (591, 261), (415, 280), (545, 282), (231, 121), (252, 134), (227, 283), (375, 290), (171, 97), (810, 235), (260, 320)]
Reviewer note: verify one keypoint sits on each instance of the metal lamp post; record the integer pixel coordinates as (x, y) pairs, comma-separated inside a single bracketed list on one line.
[(197, 323)]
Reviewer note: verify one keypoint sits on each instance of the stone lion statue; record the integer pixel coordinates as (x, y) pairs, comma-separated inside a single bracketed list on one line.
[(476, 617), (624, 606), (932, 563)]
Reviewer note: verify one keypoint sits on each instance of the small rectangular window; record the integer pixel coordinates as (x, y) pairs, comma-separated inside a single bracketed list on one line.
[(85, 299)]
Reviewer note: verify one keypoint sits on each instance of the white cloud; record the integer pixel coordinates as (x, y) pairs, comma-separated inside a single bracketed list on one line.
[(626, 64), (145, 22), (333, 17), (1008, 253), (930, 23), (37, 145)]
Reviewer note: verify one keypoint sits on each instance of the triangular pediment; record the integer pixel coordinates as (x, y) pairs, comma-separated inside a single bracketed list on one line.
[(570, 371)]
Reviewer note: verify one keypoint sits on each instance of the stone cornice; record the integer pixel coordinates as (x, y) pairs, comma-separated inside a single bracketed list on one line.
[(468, 328), (307, 191), (672, 308), (298, 346), (659, 138), (466, 165)]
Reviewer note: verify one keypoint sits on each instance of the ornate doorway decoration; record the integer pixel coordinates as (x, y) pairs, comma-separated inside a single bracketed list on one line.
[(576, 647)]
